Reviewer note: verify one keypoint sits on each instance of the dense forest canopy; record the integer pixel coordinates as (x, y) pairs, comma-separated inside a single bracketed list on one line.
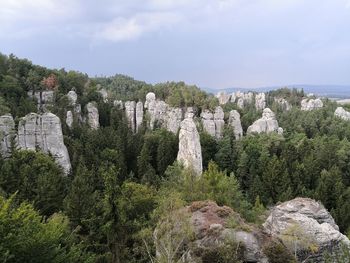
[(122, 183)]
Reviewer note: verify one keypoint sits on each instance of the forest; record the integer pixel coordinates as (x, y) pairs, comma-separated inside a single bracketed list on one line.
[(122, 184)]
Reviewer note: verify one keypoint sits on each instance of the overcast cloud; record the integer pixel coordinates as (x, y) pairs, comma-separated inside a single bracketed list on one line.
[(211, 43)]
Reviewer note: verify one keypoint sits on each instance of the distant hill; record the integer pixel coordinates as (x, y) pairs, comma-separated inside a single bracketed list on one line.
[(331, 91)]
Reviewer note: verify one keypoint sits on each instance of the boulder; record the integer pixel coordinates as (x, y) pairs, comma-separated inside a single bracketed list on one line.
[(69, 119), (7, 134), (92, 116), (260, 101), (72, 97), (235, 122), (283, 103), (190, 152), (130, 112), (340, 112), (139, 115), (266, 124), (311, 104), (44, 132), (223, 97), (305, 227), (150, 96)]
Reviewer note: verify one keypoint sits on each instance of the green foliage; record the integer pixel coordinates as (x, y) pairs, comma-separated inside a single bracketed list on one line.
[(278, 253)]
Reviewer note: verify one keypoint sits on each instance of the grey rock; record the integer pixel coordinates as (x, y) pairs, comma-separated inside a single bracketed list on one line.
[(72, 97), (235, 122), (208, 122), (104, 95), (219, 122), (46, 98), (266, 124), (174, 118), (130, 112), (190, 152), (69, 119), (7, 134), (240, 103), (260, 101), (243, 99), (340, 112), (92, 116), (311, 104), (150, 96), (139, 115), (283, 103), (309, 222), (223, 97), (118, 104), (44, 132)]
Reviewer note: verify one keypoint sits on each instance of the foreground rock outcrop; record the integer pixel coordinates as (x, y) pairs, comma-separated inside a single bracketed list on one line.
[(44, 132), (311, 104), (306, 228), (340, 112), (190, 152), (266, 124), (235, 123), (7, 134)]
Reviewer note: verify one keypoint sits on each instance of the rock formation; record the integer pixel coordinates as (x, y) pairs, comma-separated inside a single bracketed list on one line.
[(260, 101), (311, 104), (213, 123), (208, 122), (130, 112), (219, 122), (104, 95), (211, 226), (266, 124), (340, 112), (283, 103), (308, 222), (235, 122), (69, 119), (7, 134), (72, 97), (161, 114), (139, 115), (242, 99), (92, 115), (118, 104), (44, 98), (44, 132), (190, 152), (223, 97)]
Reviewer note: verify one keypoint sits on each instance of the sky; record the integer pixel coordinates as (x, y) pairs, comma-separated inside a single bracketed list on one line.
[(211, 43)]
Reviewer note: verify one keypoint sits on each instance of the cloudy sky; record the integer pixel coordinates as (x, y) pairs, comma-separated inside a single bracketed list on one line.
[(211, 43)]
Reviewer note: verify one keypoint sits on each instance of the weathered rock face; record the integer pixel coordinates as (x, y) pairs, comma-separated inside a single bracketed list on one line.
[(161, 114), (7, 134), (242, 98), (139, 115), (69, 119), (46, 98), (190, 152), (311, 104), (309, 223), (130, 112), (283, 103), (223, 97), (92, 116), (235, 122), (340, 112), (45, 133), (208, 122), (118, 104), (260, 101), (219, 122), (72, 97), (266, 124), (211, 226), (174, 118)]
